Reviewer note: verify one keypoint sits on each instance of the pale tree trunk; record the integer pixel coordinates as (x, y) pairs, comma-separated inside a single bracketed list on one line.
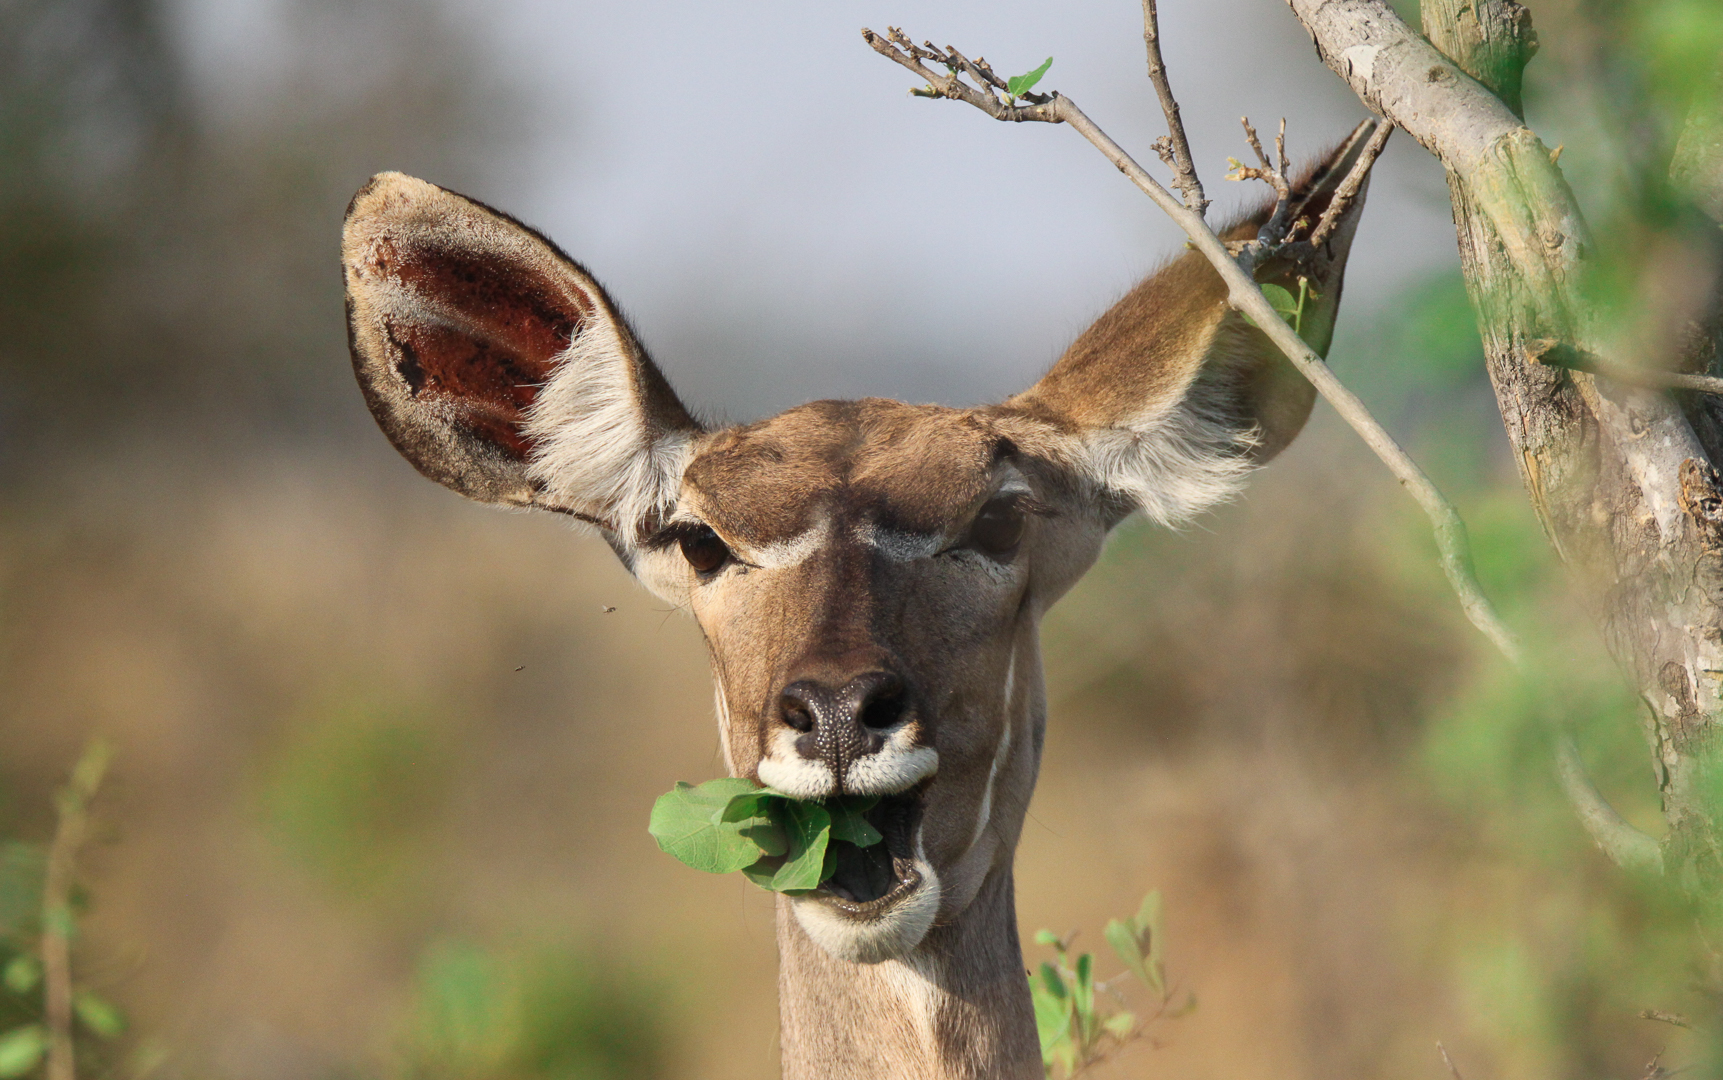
[(1622, 479)]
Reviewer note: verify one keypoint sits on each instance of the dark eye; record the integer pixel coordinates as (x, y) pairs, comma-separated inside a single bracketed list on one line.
[(703, 550), (997, 529)]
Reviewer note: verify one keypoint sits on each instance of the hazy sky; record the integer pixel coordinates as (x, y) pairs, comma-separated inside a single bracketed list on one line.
[(783, 222)]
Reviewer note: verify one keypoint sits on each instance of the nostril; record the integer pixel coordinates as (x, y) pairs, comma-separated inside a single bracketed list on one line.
[(884, 705), (796, 713), (882, 712)]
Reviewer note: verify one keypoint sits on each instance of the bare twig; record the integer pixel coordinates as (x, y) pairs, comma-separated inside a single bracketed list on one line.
[(57, 919), (1173, 148), (1347, 193), (1560, 354), (1455, 1069), (1277, 229), (1665, 1018), (895, 45), (1625, 845), (1246, 296)]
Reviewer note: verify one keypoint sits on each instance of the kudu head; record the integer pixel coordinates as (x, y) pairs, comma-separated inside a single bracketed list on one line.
[(868, 574)]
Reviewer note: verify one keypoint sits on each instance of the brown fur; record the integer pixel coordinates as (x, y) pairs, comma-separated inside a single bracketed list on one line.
[(849, 525)]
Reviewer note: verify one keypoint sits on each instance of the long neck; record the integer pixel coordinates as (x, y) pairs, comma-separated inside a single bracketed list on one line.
[(957, 1008)]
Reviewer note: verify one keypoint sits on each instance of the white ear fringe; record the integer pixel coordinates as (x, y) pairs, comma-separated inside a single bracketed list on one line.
[(597, 451), (1173, 470), (1176, 462)]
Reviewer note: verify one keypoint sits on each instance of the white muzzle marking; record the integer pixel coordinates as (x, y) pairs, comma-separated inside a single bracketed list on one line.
[(897, 766)]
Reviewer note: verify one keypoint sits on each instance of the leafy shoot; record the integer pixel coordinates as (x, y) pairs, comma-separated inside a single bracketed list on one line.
[(1082, 1022), (778, 842)]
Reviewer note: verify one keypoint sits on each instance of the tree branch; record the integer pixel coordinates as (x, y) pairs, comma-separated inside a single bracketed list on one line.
[(1277, 229), (1625, 845), (1524, 244), (1347, 193), (1173, 147), (895, 45), (1560, 354), (1452, 1068), (1244, 295)]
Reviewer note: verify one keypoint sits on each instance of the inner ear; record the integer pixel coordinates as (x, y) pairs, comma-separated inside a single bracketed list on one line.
[(481, 338), (497, 365)]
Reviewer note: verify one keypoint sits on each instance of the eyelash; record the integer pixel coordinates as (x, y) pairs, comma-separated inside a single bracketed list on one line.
[(681, 533)]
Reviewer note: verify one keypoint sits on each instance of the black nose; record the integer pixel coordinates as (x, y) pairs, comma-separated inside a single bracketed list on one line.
[(840, 724)]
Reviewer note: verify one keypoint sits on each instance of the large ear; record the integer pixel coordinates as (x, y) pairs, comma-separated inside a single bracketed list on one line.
[(1176, 397), (498, 366)]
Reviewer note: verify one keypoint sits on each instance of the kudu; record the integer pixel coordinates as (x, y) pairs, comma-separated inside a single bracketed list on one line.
[(869, 575)]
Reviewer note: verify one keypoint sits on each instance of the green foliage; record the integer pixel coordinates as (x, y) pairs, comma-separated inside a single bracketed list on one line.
[(1080, 1021), (1018, 85), (25, 915), (692, 825), (101, 1017), (544, 1013), (21, 1049), (355, 792), (22, 973), (1138, 943), (21, 869), (807, 827), (779, 842), (1289, 307)]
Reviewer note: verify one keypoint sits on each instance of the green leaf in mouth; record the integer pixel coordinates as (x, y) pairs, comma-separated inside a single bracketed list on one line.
[(780, 843)]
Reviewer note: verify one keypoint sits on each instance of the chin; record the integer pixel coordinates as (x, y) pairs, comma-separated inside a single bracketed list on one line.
[(872, 931), (880, 901)]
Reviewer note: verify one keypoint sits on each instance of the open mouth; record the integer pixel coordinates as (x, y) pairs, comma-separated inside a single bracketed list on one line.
[(867, 881)]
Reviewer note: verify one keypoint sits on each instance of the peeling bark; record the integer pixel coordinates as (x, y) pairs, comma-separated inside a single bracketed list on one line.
[(1626, 492)]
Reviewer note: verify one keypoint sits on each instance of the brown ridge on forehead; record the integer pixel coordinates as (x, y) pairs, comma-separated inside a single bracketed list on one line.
[(922, 466), (909, 466)]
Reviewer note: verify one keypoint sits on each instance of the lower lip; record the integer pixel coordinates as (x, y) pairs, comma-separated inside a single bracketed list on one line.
[(905, 887)]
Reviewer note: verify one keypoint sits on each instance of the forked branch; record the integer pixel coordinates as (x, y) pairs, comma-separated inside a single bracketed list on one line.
[(1172, 147), (1243, 294), (1278, 229), (1347, 193), (984, 94)]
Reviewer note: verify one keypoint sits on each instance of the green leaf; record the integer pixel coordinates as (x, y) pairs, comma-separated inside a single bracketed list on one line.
[(726, 788), (21, 1048), (808, 827), (1018, 85), (752, 815), (1052, 1010), (1121, 1024), (849, 824), (1049, 939), (1148, 926), (1083, 998), (1284, 303), (22, 973), (1280, 299), (99, 1016), (1065, 1053), (685, 824), (778, 842), (1125, 943), (21, 870)]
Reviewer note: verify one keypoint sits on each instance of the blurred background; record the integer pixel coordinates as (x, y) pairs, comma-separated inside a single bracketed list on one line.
[(384, 758)]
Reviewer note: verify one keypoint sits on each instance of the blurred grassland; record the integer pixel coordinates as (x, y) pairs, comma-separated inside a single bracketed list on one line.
[(385, 761)]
